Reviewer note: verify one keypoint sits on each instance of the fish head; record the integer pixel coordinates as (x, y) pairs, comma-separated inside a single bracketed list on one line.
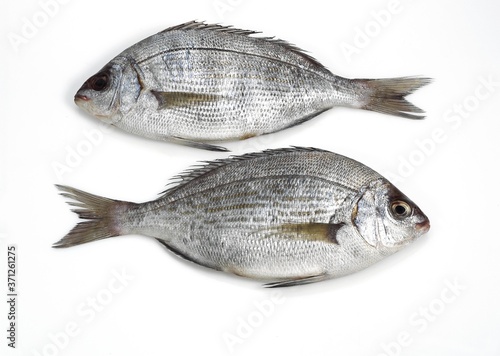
[(386, 218), (109, 93)]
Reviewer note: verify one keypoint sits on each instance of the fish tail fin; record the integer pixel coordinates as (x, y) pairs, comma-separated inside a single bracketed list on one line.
[(388, 96), (100, 215)]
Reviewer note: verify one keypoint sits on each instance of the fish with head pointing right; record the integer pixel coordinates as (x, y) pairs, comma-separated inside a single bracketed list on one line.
[(287, 217)]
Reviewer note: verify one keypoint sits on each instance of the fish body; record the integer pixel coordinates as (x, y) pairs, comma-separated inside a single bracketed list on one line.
[(287, 216), (197, 83)]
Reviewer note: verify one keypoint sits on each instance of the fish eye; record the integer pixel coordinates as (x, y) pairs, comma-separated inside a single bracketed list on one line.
[(99, 82), (400, 209)]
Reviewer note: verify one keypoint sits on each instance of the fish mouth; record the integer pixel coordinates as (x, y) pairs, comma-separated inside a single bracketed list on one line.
[(423, 227), (80, 98)]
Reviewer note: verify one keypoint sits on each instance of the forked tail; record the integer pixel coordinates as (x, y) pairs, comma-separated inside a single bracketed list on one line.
[(388, 96), (100, 214)]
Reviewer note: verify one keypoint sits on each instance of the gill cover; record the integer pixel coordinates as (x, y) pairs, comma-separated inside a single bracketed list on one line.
[(112, 91)]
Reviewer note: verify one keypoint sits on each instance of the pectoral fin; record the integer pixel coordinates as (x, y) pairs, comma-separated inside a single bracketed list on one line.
[(309, 231), (173, 99), (296, 281)]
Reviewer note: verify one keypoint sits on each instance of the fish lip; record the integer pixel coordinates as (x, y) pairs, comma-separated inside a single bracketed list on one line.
[(81, 97), (423, 226)]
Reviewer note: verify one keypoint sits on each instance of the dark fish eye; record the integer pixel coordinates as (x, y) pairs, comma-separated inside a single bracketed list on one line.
[(400, 209), (99, 82)]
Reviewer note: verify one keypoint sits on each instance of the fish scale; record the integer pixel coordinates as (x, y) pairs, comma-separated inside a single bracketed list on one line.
[(254, 77), (197, 83), (287, 216)]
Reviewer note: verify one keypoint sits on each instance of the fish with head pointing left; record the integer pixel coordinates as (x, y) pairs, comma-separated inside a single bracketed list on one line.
[(287, 216), (197, 83)]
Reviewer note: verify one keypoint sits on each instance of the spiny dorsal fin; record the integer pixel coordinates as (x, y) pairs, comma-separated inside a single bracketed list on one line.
[(195, 25), (208, 166)]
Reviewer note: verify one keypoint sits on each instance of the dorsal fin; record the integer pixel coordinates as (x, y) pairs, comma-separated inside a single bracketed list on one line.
[(195, 25), (208, 166), (202, 26)]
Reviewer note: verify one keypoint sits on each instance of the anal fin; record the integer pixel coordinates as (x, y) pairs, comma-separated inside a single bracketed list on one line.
[(296, 281), (304, 119), (196, 144), (182, 255)]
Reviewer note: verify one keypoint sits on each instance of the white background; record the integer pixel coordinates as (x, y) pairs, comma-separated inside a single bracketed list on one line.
[(172, 307)]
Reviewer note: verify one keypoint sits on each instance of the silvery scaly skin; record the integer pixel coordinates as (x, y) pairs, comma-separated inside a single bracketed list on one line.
[(196, 83), (287, 216)]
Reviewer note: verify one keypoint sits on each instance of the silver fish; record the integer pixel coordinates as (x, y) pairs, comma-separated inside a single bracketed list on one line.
[(287, 216), (197, 83)]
